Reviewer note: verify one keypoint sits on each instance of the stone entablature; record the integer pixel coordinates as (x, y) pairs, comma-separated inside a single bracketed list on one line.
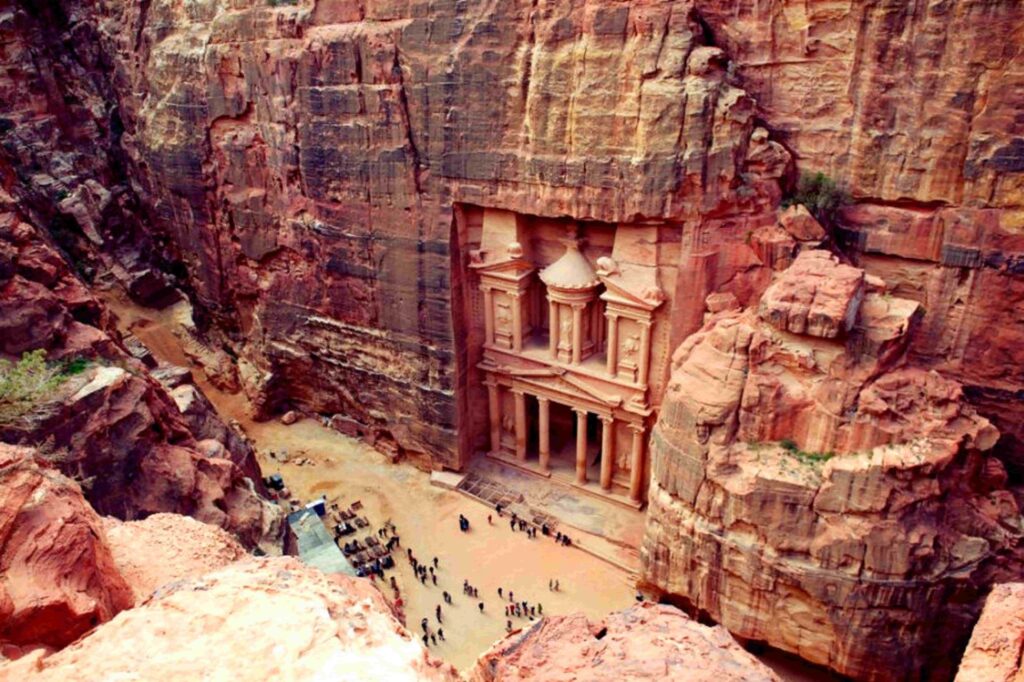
[(590, 351)]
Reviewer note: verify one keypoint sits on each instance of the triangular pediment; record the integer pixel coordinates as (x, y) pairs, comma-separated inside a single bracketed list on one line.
[(614, 291), (557, 380)]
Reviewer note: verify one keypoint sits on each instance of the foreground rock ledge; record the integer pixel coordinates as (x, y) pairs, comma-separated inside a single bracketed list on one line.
[(254, 620), (645, 642)]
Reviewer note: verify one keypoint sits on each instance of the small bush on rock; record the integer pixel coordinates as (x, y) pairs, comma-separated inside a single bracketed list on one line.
[(821, 195), (26, 386)]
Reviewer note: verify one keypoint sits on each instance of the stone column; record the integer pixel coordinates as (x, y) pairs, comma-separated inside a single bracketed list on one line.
[(607, 450), (517, 321), (488, 316), (636, 465), (553, 328), (577, 332), (581, 446), (544, 414), (613, 344), (520, 400), (494, 410), (644, 361)]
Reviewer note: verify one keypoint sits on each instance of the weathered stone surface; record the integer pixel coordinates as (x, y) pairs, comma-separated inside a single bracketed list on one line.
[(164, 548), (248, 621), (994, 652), (118, 429), (58, 579), (816, 295), (823, 496), (644, 642)]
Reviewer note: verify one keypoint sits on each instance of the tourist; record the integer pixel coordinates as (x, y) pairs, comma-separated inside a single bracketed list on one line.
[(437, 612), (425, 641), (432, 569), (498, 509), (556, 586), (489, 522), (550, 584), (433, 640), (440, 634), (511, 596), (508, 626), (533, 611), (424, 623), (434, 578), (481, 605), (540, 608), (500, 595), (447, 597), (465, 587), (435, 564), (512, 525)]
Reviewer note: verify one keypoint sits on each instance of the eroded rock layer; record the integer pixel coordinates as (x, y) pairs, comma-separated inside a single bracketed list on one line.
[(644, 642), (111, 425), (252, 620), (812, 490)]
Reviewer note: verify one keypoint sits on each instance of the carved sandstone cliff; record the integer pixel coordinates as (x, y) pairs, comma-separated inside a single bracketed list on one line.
[(812, 490)]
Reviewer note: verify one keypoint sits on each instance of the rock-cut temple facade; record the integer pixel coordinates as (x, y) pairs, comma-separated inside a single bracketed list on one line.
[(568, 313)]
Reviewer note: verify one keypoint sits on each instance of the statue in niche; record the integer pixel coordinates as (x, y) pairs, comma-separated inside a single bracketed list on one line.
[(503, 316), (565, 332), (630, 348), (508, 424)]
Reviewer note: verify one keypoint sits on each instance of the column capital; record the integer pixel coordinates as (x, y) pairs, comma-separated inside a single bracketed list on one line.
[(542, 400), (606, 418), (580, 412), (636, 428), (645, 322), (612, 315), (514, 294), (517, 391), (490, 382), (577, 306)]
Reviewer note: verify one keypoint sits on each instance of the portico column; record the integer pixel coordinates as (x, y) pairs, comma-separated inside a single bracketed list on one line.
[(517, 321), (645, 351), (577, 333), (607, 450), (494, 411), (520, 400), (613, 344), (553, 327), (488, 316), (636, 465), (581, 446), (544, 405)]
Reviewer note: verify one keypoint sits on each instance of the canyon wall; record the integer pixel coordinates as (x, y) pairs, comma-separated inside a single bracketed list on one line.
[(303, 160), (813, 489)]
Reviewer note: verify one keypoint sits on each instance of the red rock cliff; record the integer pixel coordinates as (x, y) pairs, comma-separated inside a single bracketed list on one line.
[(813, 490)]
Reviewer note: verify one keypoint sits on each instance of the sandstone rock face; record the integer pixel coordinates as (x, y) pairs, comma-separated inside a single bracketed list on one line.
[(307, 160), (253, 620), (165, 548), (117, 429), (58, 579), (816, 296), (822, 494), (644, 642), (994, 652), (925, 133)]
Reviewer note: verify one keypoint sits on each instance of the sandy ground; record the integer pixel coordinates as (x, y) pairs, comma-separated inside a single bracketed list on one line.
[(426, 517)]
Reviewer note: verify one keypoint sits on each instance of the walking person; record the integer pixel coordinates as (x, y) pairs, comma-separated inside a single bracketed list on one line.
[(440, 634), (500, 596), (481, 605)]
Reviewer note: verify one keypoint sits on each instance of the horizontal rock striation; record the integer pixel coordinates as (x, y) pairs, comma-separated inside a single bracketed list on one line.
[(823, 495)]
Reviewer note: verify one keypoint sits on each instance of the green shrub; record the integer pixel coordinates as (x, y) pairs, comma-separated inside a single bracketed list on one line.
[(821, 195), (75, 366), (789, 445), (25, 387)]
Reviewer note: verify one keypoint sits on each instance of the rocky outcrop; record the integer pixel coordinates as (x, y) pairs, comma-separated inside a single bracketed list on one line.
[(116, 429), (58, 579), (249, 621), (997, 642), (914, 109), (820, 494), (644, 642), (165, 548)]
